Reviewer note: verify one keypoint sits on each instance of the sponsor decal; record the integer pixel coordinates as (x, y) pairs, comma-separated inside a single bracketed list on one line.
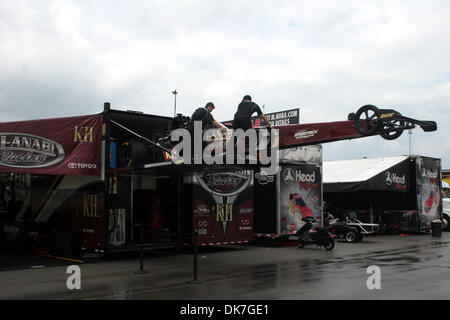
[(202, 209), (304, 134), (394, 178), (167, 156), (245, 225), (75, 165), (224, 183), (22, 150), (290, 176), (246, 210), (263, 178), (426, 173), (203, 223), (387, 115)]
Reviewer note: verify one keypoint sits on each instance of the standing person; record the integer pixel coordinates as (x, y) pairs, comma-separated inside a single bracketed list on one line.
[(204, 115), (244, 112)]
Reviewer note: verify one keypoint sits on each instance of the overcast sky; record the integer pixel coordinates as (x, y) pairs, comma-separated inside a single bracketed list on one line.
[(328, 58)]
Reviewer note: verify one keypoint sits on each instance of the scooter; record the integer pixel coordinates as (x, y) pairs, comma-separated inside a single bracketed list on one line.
[(319, 236)]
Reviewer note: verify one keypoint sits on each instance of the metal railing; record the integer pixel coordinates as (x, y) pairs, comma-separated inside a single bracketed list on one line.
[(193, 235)]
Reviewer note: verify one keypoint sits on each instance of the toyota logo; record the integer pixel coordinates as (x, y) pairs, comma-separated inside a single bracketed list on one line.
[(72, 165)]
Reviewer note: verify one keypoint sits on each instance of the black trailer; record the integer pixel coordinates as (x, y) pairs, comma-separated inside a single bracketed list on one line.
[(401, 194)]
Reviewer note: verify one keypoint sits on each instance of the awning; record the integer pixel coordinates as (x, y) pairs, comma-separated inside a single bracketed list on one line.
[(70, 145), (390, 174)]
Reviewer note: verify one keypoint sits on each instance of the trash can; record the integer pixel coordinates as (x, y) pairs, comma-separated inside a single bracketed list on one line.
[(64, 243), (436, 228)]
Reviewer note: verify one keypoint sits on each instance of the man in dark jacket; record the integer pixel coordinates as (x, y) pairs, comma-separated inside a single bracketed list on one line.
[(244, 112), (204, 115)]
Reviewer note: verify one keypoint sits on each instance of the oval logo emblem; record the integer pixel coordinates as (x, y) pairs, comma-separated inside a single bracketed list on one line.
[(23, 150), (226, 184)]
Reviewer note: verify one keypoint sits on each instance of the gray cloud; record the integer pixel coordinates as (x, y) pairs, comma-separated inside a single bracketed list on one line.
[(63, 58)]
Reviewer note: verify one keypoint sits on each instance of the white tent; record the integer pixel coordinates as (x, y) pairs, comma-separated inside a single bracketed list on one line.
[(357, 170)]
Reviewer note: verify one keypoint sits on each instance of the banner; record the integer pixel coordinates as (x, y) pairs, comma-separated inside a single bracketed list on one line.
[(280, 118), (62, 146), (300, 195), (428, 172), (222, 208)]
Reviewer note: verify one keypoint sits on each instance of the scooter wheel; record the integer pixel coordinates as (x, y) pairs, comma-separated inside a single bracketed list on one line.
[(329, 245), (300, 243)]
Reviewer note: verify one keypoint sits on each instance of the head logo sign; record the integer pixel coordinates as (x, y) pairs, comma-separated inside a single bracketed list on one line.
[(22, 150), (394, 178), (290, 176)]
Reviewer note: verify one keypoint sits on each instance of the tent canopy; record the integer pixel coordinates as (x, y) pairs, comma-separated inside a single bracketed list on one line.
[(366, 174)]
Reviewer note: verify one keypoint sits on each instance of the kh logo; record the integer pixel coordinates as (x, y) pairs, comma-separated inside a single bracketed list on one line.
[(90, 202), (374, 281), (83, 134), (74, 281), (224, 212)]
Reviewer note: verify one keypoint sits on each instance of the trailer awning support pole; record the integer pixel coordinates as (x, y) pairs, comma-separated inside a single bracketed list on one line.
[(179, 211), (371, 207), (106, 197)]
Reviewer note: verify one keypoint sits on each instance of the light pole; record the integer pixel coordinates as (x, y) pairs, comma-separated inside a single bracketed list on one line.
[(175, 107), (410, 135)]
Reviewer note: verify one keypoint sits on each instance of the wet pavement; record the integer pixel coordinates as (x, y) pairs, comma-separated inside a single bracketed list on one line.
[(411, 267)]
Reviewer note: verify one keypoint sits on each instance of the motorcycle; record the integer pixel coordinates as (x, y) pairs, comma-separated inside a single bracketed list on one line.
[(308, 234)]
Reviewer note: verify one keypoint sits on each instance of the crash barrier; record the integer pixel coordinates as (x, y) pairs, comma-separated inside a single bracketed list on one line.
[(193, 235), (436, 228)]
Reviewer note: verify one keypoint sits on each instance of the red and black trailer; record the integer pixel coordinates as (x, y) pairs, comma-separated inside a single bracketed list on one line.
[(94, 182)]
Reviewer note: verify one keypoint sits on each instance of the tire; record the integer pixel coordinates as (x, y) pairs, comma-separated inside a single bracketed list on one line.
[(386, 132), (329, 245), (300, 243), (350, 236), (366, 120)]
